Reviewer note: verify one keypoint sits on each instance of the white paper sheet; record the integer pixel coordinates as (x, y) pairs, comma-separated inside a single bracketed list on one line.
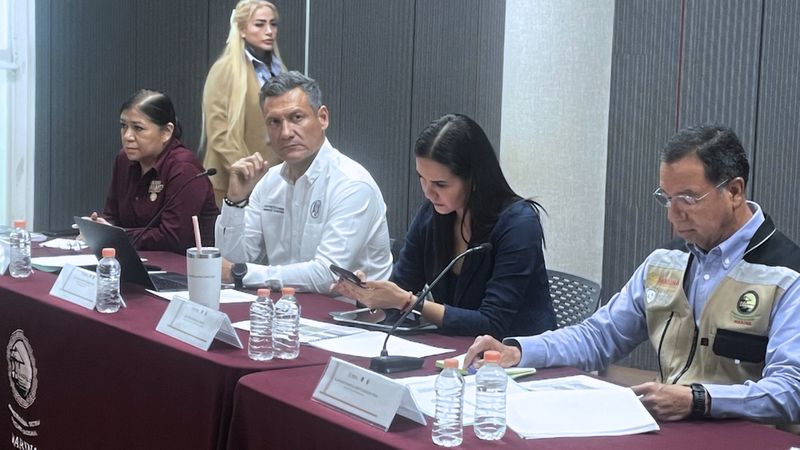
[(574, 382), (574, 413), (52, 263), (369, 344), (225, 296), (64, 244), (424, 393), (312, 330)]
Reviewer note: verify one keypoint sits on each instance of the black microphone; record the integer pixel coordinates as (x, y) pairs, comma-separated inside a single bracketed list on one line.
[(392, 364), (208, 172)]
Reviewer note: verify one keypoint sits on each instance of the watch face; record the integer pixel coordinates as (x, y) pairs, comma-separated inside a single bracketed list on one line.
[(239, 270)]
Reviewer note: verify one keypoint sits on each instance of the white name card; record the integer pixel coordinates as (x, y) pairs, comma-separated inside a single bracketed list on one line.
[(366, 395), (197, 325), (76, 285)]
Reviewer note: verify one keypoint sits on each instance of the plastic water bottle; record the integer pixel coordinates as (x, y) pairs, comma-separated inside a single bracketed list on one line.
[(20, 243), (262, 314), (448, 428), (286, 329), (490, 398), (108, 271)]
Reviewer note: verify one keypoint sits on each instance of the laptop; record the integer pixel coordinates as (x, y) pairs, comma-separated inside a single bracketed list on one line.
[(100, 236)]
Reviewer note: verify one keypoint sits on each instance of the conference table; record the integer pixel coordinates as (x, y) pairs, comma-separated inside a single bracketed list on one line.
[(85, 380), (274, 410)]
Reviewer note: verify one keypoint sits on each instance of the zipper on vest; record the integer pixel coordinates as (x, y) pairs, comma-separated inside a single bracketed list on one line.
[(691, 355), (660, 343)]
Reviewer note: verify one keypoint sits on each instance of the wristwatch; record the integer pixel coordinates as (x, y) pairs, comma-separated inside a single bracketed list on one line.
[(698, 401), (238, 271)]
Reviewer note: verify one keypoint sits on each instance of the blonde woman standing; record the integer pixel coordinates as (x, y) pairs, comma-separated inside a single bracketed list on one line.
[(233, 121)]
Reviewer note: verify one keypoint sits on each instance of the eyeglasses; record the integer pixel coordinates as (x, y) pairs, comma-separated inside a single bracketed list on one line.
[(685, 200)]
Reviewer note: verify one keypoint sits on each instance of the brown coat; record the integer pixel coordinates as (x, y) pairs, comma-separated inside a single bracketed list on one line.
[(222, 149)]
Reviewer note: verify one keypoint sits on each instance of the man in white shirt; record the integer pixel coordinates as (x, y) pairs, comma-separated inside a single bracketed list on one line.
[(317, 208)]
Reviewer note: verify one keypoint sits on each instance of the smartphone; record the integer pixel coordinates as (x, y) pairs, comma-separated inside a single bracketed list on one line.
[(346, 275)]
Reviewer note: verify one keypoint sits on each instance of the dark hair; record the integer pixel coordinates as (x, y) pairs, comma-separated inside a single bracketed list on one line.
[(718, 148), (157, 107), (285, 82), (458, 143)]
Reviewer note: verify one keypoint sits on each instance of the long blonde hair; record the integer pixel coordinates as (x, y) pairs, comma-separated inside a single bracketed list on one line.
[(239, 64)]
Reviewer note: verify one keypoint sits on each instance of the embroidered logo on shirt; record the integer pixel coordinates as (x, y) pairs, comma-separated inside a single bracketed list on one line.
[(747, 303), (273, 208), (155, 188), (315, 209)]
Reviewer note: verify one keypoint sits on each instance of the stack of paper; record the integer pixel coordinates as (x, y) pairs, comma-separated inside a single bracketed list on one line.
[(573, 413)]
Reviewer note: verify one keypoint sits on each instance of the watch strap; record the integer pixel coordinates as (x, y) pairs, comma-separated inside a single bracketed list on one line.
[(698, 401)]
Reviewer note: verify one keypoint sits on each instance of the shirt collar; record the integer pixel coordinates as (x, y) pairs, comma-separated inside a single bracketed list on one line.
[(174, 142), (735, 246), (325, 153), (264, 73)]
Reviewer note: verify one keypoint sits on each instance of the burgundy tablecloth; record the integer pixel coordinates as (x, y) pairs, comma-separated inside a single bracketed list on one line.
[(112, 381), (274, 410)]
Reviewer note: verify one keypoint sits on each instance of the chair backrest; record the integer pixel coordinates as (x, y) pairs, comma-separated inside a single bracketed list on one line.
[(574, 298)]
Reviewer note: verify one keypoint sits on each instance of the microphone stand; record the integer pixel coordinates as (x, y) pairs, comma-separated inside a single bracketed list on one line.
[(392, 364), (208, 172)]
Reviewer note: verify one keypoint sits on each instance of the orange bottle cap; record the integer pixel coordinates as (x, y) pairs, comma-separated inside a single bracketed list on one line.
[(109, 252), (263, 292), (288, 291), (20, 223), (492, 356), (451, 363)]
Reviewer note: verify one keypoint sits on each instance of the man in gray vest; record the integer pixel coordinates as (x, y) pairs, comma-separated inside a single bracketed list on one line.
[(721, 307)]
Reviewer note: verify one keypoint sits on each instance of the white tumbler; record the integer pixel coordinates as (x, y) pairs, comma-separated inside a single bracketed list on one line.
[(204, 270)]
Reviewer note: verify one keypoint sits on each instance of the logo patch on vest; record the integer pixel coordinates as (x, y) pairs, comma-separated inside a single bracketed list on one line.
[(747, 303)]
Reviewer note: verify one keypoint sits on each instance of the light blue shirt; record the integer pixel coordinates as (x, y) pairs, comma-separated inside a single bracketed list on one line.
[(618, 327), (263, 72)]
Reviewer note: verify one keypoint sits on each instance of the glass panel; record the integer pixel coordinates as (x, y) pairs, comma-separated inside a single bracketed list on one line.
[(5, 172), (4, 29)]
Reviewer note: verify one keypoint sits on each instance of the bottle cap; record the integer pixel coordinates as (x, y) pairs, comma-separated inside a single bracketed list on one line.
[(492, 356), (288, 291), (451, 363), (20, 223), (263, 292), (109, 252)]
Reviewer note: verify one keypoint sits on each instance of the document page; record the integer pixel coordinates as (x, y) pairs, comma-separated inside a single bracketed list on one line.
[(369, 344), (312, 330), (574, 413)]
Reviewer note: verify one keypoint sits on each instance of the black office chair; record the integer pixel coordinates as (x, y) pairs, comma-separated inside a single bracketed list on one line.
[(574, 298)]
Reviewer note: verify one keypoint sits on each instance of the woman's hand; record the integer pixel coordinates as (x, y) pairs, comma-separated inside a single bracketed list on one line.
[(374, 294), (96, 218)]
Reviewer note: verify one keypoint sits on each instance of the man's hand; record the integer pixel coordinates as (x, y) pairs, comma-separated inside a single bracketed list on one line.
[(667, 402), (244, 175), (226, 271), (509, 354)]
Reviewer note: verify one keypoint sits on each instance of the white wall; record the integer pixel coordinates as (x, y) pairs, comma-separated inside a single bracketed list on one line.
[(556, 82)]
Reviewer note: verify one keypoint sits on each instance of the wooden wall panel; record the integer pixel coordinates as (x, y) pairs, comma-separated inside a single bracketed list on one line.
[(90, 69), (644, 76), (776, 167), (370, 79), (369, 57), (720, 66), (455, 65)]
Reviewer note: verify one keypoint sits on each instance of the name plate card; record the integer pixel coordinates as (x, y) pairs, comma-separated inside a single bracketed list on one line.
[(197, 325), (366, 395), (76, 285)]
